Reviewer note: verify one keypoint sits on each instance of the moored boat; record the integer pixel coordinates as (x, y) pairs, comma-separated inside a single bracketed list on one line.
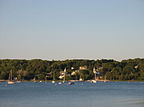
[(53, 81), (95, 74), (11, 82), (70, 83), (80, 79), (40, 81), (64, 75), (10, 78), (60, 83), (94, 81), (18, 81)]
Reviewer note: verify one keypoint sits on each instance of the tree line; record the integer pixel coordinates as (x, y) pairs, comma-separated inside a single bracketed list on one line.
[(131, 69)]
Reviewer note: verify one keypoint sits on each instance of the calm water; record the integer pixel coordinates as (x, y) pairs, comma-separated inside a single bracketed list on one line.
[(81, 94)]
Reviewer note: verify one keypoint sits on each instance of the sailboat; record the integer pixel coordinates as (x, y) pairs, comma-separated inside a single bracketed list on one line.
[(34, 79), (64, 76), (10, 78), (80, 79), (53, 81), (105, 79), (19, 80), (94, 71)]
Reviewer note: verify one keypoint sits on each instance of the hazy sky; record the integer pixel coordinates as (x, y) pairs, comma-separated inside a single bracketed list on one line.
[(71, 29)]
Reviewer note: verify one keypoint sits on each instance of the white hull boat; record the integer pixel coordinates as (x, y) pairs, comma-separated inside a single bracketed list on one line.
[(11, 82), (94, 81)]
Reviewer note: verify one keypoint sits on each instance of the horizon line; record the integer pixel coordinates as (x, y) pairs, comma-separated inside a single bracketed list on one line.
[(69, 59)]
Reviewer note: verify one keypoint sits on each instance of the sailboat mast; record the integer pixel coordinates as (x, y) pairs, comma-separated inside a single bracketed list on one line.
[(94, 71), (95, 76), (10, 75), (53, 77), (64, 74)]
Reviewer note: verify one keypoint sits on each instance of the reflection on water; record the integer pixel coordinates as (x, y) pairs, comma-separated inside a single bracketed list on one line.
[(81, 94)]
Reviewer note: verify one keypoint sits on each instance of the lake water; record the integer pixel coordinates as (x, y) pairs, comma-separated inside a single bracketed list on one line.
[(81, 94)]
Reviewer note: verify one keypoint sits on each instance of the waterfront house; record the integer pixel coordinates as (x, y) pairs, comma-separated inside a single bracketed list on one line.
[(83, 67)]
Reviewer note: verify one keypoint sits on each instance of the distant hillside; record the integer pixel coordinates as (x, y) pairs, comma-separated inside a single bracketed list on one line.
[(132, 69)]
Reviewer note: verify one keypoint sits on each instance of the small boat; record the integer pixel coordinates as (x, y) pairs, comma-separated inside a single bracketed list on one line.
[(105, 80), (64, 75), (53, 82), (34, 80), (10, 78), (11, 82), (80, 79), (94, 81), (70, 83), (59, 83), (94, 71), (18, 81)]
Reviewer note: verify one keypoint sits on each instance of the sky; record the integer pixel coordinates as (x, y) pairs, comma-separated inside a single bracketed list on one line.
[(71, 29)]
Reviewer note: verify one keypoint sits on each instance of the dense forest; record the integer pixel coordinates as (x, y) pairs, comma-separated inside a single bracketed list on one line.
[(132, 69)]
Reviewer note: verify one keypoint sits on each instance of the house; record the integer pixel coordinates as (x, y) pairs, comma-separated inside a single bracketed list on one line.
[(74, 72), (80, 68), (62, 74), (72, 68), (136, 67), (83, 67)]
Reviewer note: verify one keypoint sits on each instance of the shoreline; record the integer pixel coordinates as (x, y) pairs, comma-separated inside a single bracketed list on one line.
[(79, 81)]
